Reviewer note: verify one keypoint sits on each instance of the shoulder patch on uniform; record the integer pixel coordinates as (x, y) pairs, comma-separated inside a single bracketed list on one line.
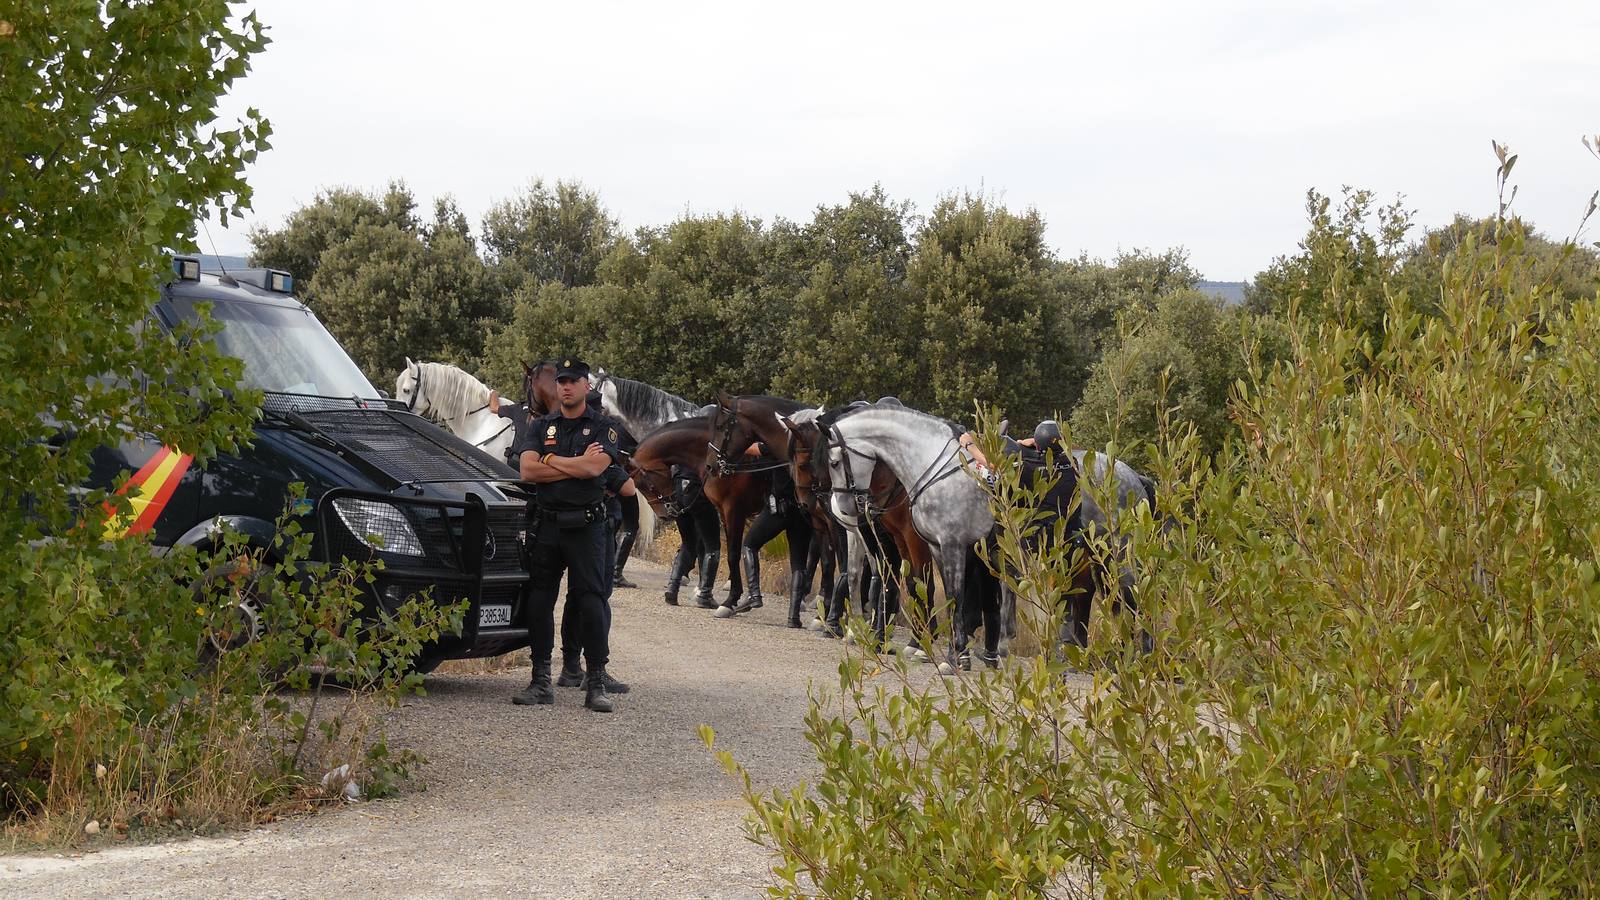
[(611, 434), (586, 431)]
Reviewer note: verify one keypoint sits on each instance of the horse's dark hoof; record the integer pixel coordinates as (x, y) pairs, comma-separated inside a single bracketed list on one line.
[(796, 623), (704, 601), (992, 660), (964, 661), (671, 599)]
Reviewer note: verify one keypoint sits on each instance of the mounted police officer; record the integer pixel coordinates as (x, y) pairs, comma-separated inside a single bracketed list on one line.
[(566, 453)]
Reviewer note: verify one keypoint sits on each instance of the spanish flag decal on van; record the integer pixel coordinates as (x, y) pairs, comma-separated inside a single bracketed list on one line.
[(156, 480)]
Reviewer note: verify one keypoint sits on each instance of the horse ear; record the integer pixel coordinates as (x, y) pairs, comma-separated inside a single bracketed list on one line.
[(409, 363), (724, 399), (526, 369), (1005, 425), (787, 422)]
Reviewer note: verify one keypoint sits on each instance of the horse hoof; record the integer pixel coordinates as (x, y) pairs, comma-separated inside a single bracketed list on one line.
[(946, 669), (917, 653), (723, 612), (816, 625)]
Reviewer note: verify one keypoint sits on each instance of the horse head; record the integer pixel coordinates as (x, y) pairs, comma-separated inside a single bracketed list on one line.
[(807, 467), (539, 386), (408, 387)]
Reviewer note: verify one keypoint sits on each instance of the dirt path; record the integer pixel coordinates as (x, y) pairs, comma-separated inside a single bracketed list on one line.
[(545, 801)]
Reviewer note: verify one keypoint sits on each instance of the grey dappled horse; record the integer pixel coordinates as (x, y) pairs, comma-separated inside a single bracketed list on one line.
[(949, 507)]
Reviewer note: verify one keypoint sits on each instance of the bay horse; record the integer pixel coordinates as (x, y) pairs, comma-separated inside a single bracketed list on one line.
[(738, 496), (740, 421)]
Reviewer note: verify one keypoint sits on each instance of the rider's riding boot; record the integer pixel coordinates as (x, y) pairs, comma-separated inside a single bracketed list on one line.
[(752, 571), (594, 691), (538, 692), (571, 673), (797, 595), (708, 580), (671, 594), (625, 541)]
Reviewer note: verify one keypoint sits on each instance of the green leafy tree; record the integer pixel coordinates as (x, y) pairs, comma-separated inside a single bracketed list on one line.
[(849, 295), (980, 279), (558, 234), (1347, 256), (387, 293), (329, 220), (1175, 365), (109, 154)]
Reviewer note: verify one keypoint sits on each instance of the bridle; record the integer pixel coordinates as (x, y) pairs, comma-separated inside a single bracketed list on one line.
[(831, 438), (669, 506), (725, 466), (416, 388)]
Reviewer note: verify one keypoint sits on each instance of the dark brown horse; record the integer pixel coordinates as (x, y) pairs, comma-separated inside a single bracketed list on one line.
[(741, 421), (738, 496)]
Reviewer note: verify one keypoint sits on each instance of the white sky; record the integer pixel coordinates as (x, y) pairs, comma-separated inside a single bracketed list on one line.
[(1126, 124)]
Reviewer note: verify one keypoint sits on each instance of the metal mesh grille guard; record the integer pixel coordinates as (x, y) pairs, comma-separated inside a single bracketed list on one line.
[(406, 446), (405, 532)]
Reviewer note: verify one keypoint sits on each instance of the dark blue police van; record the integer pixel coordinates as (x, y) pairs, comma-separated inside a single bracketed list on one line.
[(381, 483)]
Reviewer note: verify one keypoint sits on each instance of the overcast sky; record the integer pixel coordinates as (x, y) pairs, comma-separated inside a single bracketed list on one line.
[(1126, 125)]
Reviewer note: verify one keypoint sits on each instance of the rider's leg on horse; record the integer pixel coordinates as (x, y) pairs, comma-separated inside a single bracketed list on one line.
[(766, 526), (626, 535), (709, 528), (688, 556)]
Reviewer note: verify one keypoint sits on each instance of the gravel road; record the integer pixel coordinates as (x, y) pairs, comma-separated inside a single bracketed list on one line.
[(543, 801)]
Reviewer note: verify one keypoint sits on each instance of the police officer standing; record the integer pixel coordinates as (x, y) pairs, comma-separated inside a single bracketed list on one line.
[(566, 453)]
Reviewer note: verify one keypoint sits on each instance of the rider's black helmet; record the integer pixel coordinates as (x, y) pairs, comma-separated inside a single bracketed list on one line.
[(1047, 435)]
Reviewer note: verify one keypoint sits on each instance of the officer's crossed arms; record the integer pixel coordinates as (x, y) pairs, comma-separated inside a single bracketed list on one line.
[(550, 467)]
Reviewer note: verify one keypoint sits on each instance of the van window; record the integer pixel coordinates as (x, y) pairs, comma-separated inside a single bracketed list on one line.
[(285, 350)]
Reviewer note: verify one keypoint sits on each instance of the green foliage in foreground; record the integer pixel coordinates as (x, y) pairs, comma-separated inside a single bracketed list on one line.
[(1376, 670), (109, 153)]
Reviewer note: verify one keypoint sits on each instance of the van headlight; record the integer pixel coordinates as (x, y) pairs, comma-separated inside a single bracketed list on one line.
[(379, 525)]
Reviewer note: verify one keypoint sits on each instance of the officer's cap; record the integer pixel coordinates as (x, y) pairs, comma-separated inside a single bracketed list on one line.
[(571, 367)]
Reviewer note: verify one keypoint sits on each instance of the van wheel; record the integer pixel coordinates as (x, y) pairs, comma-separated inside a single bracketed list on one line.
[(246, 586)]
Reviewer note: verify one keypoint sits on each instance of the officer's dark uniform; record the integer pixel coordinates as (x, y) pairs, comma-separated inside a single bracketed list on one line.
[(571, 632), (567, 532)]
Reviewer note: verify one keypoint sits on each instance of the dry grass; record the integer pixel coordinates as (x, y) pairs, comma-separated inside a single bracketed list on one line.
[(152, 786)]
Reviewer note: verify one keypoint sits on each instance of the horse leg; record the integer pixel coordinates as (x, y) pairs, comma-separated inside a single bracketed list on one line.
[(954, 571)]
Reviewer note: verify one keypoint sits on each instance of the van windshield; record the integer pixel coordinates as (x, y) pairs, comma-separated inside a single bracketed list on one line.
[(285, 350)]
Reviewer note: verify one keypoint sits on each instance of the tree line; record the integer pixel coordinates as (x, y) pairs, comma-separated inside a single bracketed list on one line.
[(869, 298)]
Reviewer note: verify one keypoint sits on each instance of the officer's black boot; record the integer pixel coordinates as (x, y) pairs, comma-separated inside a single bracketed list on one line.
[(708, 580), (625, 541), (538, 692), (594, 687), (571, 673), (614, 686), (671, 595)]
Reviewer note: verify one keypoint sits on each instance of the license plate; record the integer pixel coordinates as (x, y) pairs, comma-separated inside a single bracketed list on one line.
[(491, 614)]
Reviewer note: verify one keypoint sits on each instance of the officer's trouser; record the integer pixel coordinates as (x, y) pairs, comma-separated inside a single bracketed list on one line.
[(581, 554), (571, 639)]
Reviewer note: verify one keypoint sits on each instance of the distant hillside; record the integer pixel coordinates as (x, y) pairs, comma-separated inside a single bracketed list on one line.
[(1231, 292)]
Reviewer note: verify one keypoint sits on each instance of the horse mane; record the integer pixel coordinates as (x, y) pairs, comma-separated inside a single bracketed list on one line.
[(645, 402), (452, 390)]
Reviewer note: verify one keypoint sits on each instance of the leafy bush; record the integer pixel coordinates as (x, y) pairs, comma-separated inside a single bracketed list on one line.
[(112, 152), (1375, 673)]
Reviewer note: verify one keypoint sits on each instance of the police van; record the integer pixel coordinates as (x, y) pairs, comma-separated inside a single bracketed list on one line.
[(381, 483)]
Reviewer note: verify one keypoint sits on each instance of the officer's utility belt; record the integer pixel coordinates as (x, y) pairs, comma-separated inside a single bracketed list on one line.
[(573, 518)]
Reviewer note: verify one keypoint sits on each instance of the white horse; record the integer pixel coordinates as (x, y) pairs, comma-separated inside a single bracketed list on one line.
[(459, 401)]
